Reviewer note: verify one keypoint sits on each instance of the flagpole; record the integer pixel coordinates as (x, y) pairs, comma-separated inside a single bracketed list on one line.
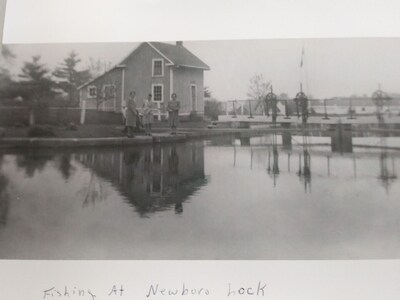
[(301, 64)]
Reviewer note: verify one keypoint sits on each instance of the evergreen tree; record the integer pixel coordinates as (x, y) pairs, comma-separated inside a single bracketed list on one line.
[(6, 58), (212, 108), (6, 53), (34, 71), (36, 87), (70, 77)]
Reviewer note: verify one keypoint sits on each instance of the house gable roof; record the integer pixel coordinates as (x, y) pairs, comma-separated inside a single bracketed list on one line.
[(175, 55), (179, 55), (100, 76)]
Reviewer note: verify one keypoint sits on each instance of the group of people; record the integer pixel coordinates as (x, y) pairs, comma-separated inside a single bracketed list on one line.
[(132, 116)]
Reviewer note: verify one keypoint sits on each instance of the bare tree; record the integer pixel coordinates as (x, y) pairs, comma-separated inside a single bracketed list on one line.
[(98, 67), (258, 90), (258, 87)]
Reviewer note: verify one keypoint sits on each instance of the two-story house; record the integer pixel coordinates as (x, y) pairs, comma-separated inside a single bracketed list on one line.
[(153, 68)]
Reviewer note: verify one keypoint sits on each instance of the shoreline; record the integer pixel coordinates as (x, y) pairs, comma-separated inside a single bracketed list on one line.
[(54, 142), (157, 137)]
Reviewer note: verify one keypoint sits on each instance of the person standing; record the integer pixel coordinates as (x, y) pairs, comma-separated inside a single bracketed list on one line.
[(148, 116), (131, 114), (123, 110), (173, 113)]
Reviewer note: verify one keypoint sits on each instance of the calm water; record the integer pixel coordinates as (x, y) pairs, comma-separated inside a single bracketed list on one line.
[(220, 199)]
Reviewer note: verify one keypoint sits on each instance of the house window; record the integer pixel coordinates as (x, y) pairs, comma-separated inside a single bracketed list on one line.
[(158, 92), (92, 92), (109, 91), (158, 68)]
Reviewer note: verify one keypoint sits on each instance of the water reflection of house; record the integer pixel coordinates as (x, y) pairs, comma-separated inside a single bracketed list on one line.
[(152, 178)]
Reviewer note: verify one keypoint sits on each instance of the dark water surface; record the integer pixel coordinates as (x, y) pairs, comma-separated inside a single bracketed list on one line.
[(219, 199)]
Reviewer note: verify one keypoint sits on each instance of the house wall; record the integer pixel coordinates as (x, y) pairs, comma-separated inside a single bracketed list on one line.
[(183, 78), (113, 77), (138, 75)]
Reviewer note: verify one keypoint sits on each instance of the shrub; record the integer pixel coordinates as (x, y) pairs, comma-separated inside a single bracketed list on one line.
[(41, 131), (194, 116), (72, 126), (20, 124)]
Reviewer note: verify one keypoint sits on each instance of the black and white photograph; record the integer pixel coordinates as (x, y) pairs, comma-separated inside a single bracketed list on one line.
[(230, 149), (246, 149)]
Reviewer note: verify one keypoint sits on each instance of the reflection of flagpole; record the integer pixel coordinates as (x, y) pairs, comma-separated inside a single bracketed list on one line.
[(251, 157), (234, 155)]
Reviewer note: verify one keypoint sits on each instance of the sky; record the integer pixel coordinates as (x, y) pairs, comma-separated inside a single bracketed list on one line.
[(331, 67)]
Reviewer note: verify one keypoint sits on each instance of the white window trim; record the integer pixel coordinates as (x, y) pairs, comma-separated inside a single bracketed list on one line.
[(88, 91), (195, 96), (162, 67), (162, 92)]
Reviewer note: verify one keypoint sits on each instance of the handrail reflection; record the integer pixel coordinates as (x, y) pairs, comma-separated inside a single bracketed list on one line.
[(304, 147)]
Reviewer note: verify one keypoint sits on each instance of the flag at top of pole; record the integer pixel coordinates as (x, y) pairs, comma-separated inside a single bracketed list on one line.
[(302, 57)]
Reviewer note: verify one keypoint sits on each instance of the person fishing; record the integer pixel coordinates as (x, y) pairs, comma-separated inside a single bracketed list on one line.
[(131, 114), (173, 113), (148, 116)]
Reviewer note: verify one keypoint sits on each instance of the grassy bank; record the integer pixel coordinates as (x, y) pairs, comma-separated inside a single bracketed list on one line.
[(92, 131)]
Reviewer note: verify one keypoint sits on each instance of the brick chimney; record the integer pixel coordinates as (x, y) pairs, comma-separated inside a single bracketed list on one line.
[(179, 43)]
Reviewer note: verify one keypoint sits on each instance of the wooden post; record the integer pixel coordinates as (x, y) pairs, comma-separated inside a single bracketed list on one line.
[(325, 111), (251, 114), (234, 109), (83, 112), (31, 117)]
